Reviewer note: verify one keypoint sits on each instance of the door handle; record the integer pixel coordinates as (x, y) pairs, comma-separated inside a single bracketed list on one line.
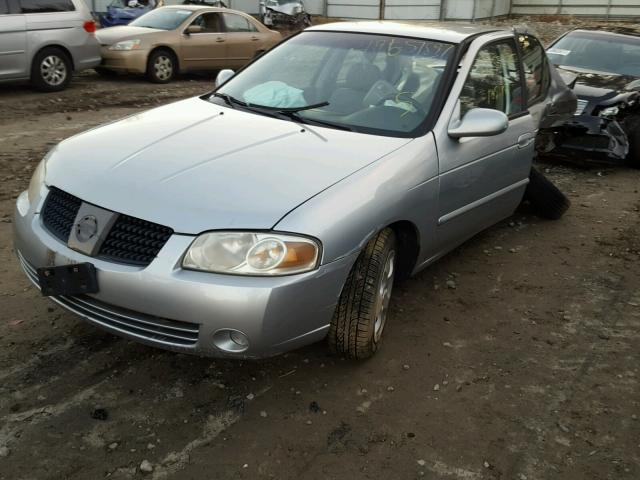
[(254, 39), (219, 40), (525, 140)]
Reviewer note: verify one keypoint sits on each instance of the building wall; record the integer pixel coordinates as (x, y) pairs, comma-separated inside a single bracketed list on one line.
[(464, 10)]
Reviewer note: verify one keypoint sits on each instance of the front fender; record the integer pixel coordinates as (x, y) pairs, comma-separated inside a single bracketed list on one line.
[(403, 186)]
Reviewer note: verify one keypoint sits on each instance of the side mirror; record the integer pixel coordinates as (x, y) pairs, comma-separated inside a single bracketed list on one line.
[(480, 122), (223, 76), (194, 29)]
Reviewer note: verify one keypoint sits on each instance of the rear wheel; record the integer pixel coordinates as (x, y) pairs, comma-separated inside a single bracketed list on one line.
[(361, 314), (51, 70), (162, 66), (548, 201)]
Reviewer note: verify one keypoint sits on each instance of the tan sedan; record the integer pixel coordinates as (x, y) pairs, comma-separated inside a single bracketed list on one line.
[(183, 38)]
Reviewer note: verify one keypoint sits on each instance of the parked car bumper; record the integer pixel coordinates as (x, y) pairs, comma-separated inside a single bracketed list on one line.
[(132, 61), (87, 55), (193, 312), (602, 140)]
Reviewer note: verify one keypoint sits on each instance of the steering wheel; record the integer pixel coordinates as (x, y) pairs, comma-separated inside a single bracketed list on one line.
[(400, 97)]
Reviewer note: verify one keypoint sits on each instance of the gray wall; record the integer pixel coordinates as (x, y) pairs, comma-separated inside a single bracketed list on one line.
[(442, 9)]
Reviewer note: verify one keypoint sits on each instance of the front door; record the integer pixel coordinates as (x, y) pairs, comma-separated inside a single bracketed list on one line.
[(482, 179), (206, 49), (13, 44)]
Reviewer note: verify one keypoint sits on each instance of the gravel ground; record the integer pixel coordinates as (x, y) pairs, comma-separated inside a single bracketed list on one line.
[(515, 357)]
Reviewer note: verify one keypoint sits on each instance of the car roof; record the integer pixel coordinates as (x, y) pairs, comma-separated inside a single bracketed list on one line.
[(197, 8), (444, 32)]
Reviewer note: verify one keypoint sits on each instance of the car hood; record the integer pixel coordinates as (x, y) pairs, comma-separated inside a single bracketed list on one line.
[(601, 86), (195, 166), (111, 35)]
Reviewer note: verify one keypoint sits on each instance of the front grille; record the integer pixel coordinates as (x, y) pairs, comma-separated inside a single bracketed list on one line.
[(59, 212), (582, 104), (131, 240), (134, 241), (122, 320)]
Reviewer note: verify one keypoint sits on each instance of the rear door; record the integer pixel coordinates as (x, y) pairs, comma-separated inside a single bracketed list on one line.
[(482, 179), (243, 39), (207, 49), (13, 41)]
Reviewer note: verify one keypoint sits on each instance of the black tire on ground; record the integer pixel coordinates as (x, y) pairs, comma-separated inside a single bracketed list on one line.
[(105, 72), (632, 127), (51, 70), (360, 316), (547, 200), (162, 66)]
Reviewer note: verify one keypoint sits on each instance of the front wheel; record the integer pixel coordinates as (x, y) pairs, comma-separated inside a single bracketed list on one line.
[(361, 314), (162, 66)]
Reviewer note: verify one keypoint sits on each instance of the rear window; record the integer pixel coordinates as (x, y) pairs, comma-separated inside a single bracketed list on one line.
[(45, 6)]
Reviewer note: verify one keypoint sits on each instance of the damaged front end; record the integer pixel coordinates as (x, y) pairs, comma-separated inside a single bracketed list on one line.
[(601, 131)]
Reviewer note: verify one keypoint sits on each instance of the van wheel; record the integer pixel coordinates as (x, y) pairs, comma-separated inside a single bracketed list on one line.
[(162, 66), (547, 200), (51, 70), (361, 314)]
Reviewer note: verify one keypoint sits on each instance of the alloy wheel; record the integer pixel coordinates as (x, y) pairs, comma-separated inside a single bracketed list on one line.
[(53, 70)]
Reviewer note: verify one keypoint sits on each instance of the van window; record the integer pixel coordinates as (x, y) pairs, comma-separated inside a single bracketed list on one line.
[(4, 7), (45, 6)]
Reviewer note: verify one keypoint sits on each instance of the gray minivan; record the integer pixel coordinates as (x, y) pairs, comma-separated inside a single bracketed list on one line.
[(44, 41)]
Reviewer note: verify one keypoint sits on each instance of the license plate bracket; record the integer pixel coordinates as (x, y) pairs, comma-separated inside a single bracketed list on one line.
[(76, 279)]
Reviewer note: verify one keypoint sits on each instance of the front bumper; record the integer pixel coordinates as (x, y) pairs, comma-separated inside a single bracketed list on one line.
[(125, 61), (588, 138), (165, 306)]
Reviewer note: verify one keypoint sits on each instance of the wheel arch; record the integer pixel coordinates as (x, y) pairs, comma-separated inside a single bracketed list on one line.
[(167, 48), (59, 46)]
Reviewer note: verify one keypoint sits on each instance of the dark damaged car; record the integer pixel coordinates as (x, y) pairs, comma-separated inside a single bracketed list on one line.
[(604, 68)]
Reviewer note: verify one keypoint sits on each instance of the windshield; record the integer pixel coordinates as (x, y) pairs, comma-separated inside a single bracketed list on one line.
[(610, 53), (162, 18), (370, 83)]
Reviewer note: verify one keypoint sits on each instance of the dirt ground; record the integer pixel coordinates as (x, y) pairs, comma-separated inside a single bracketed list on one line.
[(527, 370)]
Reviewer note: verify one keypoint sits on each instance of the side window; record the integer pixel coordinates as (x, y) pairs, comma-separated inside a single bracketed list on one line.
[(46, 6), (536, 68), (4, 7), (494, 81), (210, 23), (237, 23)]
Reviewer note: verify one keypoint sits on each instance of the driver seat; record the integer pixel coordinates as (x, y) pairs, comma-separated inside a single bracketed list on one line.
[(359, 80)]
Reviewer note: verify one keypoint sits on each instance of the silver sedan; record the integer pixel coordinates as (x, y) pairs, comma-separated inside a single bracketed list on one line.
[(278, 210)]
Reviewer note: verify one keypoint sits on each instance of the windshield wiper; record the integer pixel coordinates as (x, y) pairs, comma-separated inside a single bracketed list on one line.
[(229, 100)]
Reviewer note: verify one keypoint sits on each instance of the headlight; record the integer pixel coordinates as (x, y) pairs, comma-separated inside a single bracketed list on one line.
[(249, 253), (610, 111), (37, 179), (126, 45)]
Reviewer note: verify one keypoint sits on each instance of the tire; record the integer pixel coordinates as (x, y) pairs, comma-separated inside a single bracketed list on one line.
[(547, 200), (360, 316), (162, 66), (632, 127), (51, 70)]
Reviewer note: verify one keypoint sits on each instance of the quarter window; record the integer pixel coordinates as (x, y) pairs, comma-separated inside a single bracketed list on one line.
[(494, 81), (237, 23), (46, 6), (536, 68)]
